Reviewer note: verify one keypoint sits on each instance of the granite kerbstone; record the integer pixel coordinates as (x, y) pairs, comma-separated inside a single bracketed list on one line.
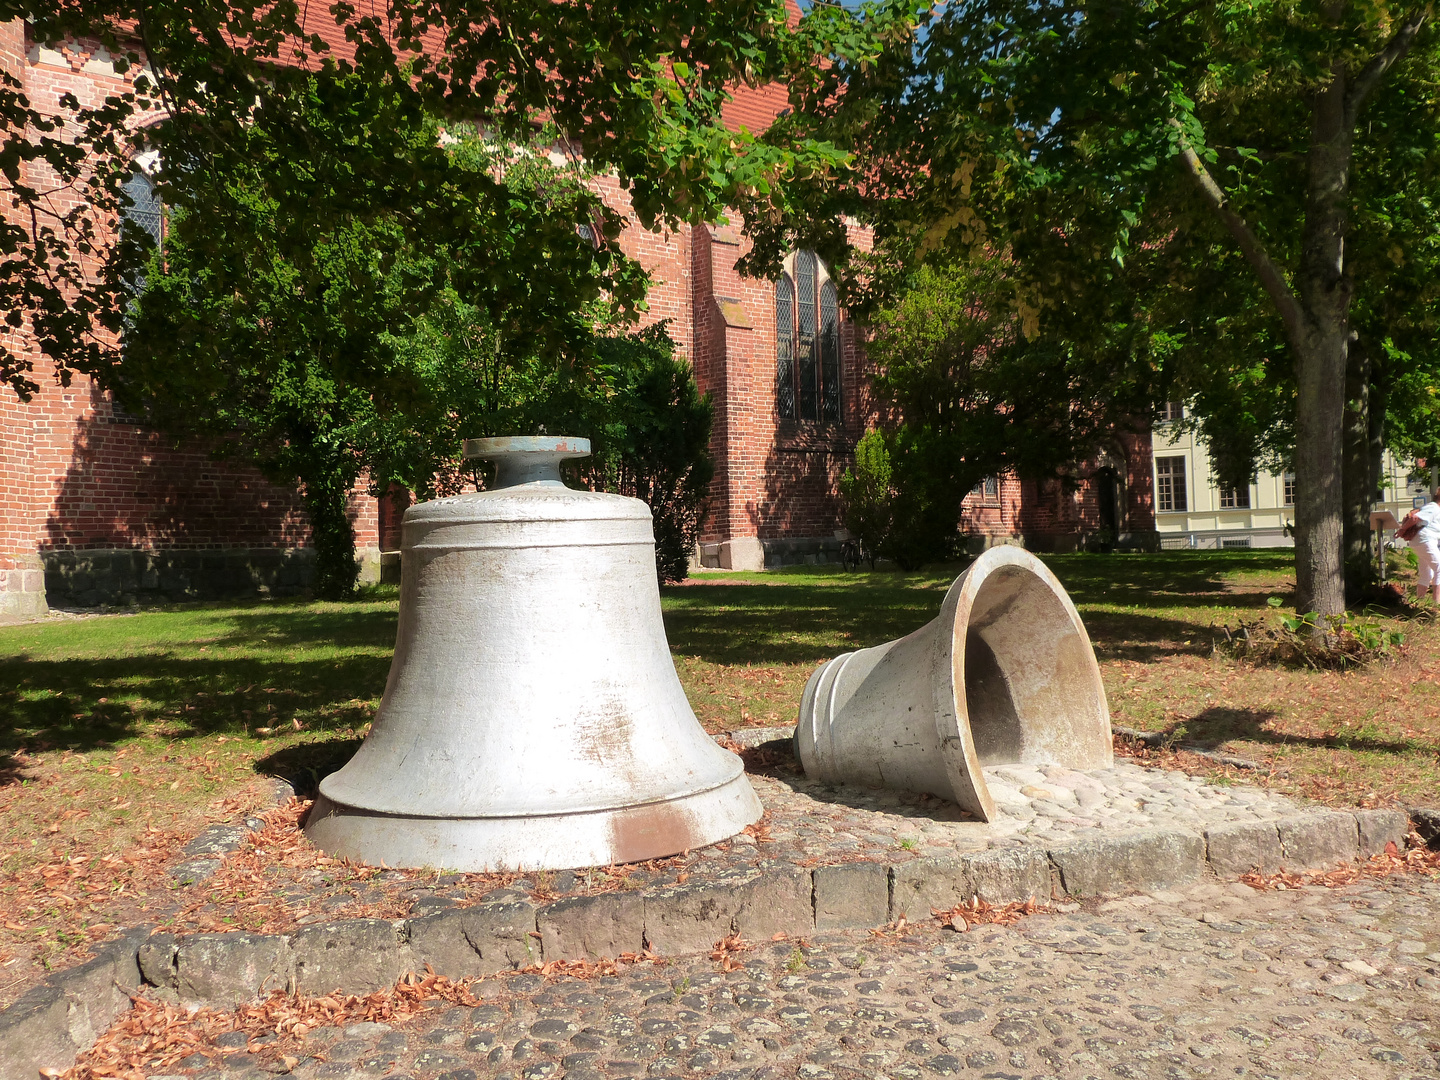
[(218, 840), (851, 895), (226, 969), (193, 871), (1427, 824), (479, 940), (1010, 874), (358, 955), (35, 1034), (590, 927), (1239, 847), (1146, 859), (1380, 827), (691, 917), (937, 882), (776, 901), (1319, 838), (157, 957), (99, 989)]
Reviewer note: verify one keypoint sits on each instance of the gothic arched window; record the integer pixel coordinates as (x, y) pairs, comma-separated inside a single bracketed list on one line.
[(807, 344), (145, 210)]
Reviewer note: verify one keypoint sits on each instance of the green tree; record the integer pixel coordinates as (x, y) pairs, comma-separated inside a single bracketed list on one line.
[(61, 172), (973, 394), (865, 490), (637, 90), (651, 435), (1101, 128), (284, 345)]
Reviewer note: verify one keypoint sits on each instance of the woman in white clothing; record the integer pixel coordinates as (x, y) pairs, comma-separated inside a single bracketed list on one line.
[(1426, 545)]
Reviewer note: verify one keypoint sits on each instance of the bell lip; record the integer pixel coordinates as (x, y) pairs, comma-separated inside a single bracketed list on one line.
[(952, 723), (965, 591), (600, 838), (733, 768)]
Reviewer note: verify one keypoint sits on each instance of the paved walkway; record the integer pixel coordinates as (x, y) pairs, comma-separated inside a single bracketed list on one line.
[(1218, 981)]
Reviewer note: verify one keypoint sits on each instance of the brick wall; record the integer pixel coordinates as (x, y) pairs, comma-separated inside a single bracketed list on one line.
[(80, 487)]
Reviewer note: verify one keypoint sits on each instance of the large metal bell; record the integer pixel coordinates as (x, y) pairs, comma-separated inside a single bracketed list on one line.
[(1005, 674), (532, 718)]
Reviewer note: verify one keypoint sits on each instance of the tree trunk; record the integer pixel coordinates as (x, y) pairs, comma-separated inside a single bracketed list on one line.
[(1359, 489), (327, 493), (1319, 405), (1317, 321), (1321, 349)]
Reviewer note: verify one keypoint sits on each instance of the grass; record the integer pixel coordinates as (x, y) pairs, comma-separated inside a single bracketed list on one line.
[(123, 736)]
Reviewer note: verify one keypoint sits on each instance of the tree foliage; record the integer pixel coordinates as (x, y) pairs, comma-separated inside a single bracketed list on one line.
[(971, 393), (650, 430), (286, 345), (637, 90), (61, 171), (1081, 137), (868, 495)]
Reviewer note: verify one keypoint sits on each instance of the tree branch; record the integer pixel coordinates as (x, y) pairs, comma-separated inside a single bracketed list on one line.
[(1250, 245), (1371, 74)]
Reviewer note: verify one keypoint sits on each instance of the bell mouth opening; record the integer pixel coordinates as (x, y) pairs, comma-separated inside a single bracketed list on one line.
[(1032, 687)]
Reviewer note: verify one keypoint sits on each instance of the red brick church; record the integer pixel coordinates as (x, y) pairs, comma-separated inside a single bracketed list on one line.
[(95, 510)]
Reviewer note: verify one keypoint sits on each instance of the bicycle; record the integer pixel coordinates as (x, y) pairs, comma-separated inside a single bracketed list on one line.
[(852, 553)]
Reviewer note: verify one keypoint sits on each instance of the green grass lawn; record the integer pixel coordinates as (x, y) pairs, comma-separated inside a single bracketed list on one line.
[(130, 733)]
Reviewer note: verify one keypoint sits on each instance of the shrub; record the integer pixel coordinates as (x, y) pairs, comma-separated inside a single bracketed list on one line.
[(867, 496), (652, 437), (1347, 641)]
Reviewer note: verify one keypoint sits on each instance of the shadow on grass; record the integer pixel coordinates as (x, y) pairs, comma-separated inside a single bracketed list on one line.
[(1219, 724), (806, 624), (87, 704), (1199, 577), (1146, 638), (790, 624), (87, 685)]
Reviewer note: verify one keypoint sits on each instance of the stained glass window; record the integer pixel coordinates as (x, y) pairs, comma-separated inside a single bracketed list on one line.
[(807, 344), (145, 209), (785, 347)]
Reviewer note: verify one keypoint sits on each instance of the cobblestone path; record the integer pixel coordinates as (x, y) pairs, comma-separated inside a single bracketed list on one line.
[(1218, 981)]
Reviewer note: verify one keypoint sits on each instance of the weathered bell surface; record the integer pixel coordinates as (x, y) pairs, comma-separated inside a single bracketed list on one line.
[(532, 718), (1004, 674)]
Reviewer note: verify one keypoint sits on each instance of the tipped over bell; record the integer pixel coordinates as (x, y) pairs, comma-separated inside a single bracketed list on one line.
[(1005, 674), (533, 718)]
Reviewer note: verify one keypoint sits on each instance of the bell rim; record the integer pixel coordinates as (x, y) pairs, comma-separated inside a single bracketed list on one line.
[(600, 807), (589, 840)]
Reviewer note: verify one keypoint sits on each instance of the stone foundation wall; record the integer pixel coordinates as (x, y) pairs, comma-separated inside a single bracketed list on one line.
[(22, 589), (796, 551), (124, 577), (802, 551)]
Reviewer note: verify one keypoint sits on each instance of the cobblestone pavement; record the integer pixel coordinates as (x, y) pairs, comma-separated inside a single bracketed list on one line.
[(1220, 980)]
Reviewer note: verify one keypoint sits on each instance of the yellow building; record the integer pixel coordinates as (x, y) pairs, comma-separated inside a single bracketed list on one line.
[(1192, 510)]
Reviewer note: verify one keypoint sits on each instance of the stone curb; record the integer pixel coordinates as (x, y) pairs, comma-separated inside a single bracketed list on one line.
[(61, 1018)]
